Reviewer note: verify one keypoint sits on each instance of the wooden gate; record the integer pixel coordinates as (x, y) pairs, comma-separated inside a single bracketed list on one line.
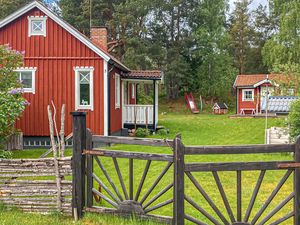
[(93, 180)]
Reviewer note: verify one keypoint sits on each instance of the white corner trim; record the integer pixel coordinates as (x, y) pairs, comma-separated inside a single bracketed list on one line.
[(77, 90), (30, 69), (37, 18), (105, 96), (58, 20), (117, 83)]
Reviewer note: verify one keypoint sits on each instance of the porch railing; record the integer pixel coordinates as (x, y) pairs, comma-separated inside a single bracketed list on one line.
[(138, 114)]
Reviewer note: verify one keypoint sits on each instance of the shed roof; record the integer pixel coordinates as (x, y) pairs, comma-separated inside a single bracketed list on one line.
[(279, 104), (250, 80), (221, 105)]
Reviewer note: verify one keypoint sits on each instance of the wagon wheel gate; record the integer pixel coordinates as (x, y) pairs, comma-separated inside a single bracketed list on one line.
[(262, 204)]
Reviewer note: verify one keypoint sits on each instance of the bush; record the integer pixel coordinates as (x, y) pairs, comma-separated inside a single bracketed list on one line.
[(5, 154), (142, 132), (163, 132), (294, 119)]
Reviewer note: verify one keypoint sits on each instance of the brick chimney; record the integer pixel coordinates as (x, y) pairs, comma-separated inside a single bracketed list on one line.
[(99, 36)]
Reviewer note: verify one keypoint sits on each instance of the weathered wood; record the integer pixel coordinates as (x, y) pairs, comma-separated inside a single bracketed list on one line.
[(201, 210), (129, 155), (223, 195), (14, 142), (108, 177), (297, 183), (242, 149), (207, 198), (192, 219), (120, 178), (78, 162), (281, 220), (178, 190), (156, 182), (167, 202), (103, 210), (276, 209), (62, 131), (254, 195), (158, 195), (132, 141), (131, 179), (142, 180), (89, 170), (234, 166), (270, 198), (239, 195), (105, 198)]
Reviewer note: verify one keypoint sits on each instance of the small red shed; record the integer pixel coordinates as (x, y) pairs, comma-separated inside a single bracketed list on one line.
[(63, 65), (220, 108)]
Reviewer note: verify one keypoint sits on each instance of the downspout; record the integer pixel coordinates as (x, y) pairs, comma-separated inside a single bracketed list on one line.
[(109, 98)]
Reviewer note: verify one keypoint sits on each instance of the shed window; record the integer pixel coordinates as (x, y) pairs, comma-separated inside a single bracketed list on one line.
[(27, 78), (37, 26), (117, 91), (248, 95), (84, 88), (132, 90)]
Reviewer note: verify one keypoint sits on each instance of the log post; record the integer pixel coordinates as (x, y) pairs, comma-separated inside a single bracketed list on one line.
[(78, 163), (178, 197), (297, 184), (89, 170)]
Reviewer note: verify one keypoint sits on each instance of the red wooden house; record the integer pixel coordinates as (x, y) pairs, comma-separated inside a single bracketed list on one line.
[(63, 65), (251, 91)]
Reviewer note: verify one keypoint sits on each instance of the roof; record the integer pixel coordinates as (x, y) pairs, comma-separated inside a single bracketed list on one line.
[(144, 74), (254, 80), (279, 104), (221, 105), (82, 38)]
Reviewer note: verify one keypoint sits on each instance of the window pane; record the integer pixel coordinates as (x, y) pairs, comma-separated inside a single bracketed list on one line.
[(37, 26), (84, 83), (26, 78)]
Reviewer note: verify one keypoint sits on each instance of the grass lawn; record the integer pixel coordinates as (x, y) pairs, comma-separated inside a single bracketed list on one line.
[(201, 129)]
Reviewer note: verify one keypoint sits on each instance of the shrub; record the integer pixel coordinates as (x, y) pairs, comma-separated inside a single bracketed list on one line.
[(12, 103), (5, 154), (142, 132), (294, 119), (163, 132)]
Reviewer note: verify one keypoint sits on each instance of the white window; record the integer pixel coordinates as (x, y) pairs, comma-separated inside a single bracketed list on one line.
[(248, 95), (132, 90), (117, 91), (84, 97), (37, 25), (27, 78)]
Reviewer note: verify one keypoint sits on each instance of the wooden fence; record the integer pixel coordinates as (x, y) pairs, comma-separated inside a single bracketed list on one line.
[(124, 201), (31, 185)]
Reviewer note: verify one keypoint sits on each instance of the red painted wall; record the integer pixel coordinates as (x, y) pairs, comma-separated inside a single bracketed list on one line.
[(248, 104), (116, 113), (54, 56)]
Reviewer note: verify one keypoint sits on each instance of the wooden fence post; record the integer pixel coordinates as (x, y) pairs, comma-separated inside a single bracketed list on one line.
[(78, 163), (89, 170), (178, 197), (297, 184)]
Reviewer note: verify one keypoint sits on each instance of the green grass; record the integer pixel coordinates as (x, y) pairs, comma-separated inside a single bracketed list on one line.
[(201, 129)]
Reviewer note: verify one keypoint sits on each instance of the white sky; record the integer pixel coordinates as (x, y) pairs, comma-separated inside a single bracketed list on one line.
[(253, 5)]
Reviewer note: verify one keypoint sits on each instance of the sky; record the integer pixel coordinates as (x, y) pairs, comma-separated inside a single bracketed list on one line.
[(253, 5)]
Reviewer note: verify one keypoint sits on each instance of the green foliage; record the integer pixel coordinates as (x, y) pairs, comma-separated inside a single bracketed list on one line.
[(162, 132), (9, 6), (142, 132), (11, 101), (5, 155), (294, 119)]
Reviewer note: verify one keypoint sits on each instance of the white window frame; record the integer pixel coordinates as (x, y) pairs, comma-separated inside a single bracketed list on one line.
[(132, 90), (244, 93), (32, 19), (27, 69), (117, 91), (77, 88)]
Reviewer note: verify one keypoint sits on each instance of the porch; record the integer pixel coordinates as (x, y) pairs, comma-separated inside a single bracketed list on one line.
[(134, 113)]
